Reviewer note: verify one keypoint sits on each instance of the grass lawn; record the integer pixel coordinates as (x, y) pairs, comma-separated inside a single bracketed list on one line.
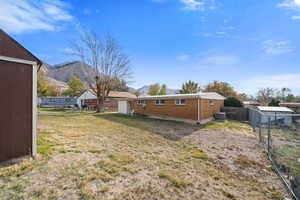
[(112, 156)]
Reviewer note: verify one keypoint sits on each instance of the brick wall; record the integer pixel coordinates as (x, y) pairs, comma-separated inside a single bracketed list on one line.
[(110, 104), (188, 111)]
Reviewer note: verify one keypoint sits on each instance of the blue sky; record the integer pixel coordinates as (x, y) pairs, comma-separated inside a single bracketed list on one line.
[(249, 43)]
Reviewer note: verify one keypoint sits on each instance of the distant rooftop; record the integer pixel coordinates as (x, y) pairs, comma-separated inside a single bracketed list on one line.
[(251, 103), (201, 95), (274, 109), (116, 94), (290, 103)]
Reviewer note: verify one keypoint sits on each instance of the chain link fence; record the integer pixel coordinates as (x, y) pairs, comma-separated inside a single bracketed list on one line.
[(280, 135)]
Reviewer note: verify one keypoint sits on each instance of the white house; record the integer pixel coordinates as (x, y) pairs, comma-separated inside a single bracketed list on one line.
[(87, 95)]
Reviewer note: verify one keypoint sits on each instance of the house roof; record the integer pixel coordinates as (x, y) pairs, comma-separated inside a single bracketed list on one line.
[(201, 95), (114, 94), (274, 109), (290, 104), (121, 94)]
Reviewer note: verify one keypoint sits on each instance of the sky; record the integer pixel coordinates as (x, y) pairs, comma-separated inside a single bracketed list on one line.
[(249, 43)]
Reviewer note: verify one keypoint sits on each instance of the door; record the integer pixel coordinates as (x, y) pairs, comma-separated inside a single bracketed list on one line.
[(15, 110)]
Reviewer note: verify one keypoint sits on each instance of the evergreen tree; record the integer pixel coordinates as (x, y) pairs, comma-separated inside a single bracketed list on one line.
[(189, 88)]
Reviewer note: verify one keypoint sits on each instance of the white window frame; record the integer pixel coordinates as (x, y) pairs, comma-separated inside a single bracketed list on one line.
[(160, 102), (178, 102), (140, 102)]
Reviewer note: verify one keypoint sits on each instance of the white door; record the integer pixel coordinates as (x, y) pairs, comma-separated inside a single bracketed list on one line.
[(123, 107)]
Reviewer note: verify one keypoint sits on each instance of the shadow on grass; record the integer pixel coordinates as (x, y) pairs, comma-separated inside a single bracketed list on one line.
[(61, 112), (172, 130)]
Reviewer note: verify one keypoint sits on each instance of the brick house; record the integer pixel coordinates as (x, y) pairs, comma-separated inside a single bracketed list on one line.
[(199, 107), (88, 99)]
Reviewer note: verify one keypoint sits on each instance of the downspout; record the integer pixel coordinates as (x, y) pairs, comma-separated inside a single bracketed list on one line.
[(199, 104)]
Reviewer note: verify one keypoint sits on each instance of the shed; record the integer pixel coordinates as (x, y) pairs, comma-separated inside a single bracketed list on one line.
[(276, 114), (18, 84)]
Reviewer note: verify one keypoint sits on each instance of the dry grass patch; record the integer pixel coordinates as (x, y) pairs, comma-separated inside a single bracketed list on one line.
[(244, 162), (110, 156), (174, 177), (231, 125), (122, 158), (195, 152)]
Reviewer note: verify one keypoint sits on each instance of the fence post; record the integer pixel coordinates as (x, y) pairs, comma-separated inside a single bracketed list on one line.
[(260, 135), (269, 136)]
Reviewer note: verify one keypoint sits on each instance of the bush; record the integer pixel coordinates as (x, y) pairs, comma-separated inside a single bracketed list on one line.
[(274, 102), (232, 102)]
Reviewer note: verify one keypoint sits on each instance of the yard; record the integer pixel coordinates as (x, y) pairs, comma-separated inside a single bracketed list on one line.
[(111, 156)]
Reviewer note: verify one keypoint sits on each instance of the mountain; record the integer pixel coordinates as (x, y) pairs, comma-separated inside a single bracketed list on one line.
[(65, 71), (145, 89)]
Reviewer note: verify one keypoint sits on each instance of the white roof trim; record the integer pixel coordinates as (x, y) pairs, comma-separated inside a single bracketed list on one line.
[(17, 60), (274, 109), (201, 95)]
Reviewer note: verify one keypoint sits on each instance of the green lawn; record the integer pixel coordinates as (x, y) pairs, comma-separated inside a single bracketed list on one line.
[(112, 156)]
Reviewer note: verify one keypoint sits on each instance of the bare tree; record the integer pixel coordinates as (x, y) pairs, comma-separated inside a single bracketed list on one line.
[(265, 95), (111, 65)]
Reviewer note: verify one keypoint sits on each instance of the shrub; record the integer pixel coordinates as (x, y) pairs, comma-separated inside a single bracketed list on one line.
[(232, 102), (274, 102)]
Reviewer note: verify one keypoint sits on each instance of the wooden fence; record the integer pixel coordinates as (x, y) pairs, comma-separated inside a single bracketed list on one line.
[(236, 113)]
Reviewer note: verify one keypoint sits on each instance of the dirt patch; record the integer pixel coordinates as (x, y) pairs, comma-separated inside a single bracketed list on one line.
[(239, 153)]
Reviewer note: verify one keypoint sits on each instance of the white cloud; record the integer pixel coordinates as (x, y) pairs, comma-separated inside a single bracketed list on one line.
[(183, 57), (290, 4), (193, 5), (296, 17), (18, 16), (68, 51), (276, 47), (218, 34), (277, 81), (220, 60)]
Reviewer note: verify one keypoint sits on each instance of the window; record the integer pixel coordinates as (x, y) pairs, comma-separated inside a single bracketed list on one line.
[(160, 102), (180, 101), (141, 102), (211, 102)]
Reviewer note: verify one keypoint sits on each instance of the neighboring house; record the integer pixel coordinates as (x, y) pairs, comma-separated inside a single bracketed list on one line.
[(251, 104), (18, 84), (57, 102), (199, 107), (276, 114), (88, 100), (294, 106)]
